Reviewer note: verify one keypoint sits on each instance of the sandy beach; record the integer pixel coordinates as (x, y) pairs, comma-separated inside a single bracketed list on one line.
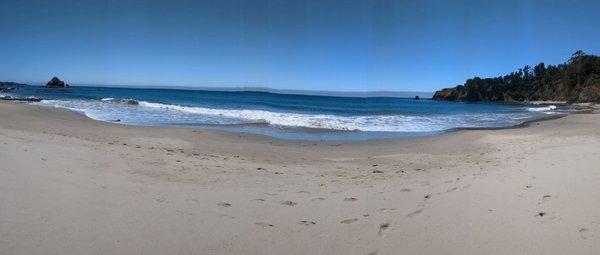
[(72, 185)]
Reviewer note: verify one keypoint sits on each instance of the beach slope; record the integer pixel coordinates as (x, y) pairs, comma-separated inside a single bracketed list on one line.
[(72, 185)]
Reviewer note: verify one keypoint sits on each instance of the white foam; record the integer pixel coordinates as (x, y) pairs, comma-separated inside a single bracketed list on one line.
[(542, 109), (61, 104), (388, 123), (156, 113)]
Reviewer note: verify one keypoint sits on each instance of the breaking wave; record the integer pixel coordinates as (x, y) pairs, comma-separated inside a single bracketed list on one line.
[(542, 109), (120, 101), (131, 111)]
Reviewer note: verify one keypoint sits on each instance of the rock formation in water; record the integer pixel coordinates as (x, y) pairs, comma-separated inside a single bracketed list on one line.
[(576, 81), (55, 82)]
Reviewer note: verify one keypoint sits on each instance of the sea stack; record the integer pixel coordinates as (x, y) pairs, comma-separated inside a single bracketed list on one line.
[(55, 82)]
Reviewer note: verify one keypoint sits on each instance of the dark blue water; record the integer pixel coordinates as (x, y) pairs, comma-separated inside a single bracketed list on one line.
[(282, 115)]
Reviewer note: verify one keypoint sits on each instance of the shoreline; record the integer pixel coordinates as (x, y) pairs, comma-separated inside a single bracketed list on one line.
[(311, 130), (73, 185), (295, 132), (232, 135)]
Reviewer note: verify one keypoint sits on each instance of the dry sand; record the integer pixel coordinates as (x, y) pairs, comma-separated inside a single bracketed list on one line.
[(72, 185)]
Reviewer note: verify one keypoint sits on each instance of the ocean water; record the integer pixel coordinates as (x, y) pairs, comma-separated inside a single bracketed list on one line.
[(287, 116)]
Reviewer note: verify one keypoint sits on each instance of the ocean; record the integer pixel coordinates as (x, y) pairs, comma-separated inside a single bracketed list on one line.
[(286, 116)]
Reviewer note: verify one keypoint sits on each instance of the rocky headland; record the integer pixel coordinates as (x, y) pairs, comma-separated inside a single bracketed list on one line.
[(575, 81)]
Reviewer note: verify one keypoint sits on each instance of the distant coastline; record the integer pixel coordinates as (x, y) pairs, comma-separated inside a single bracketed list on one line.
[(398, 94)]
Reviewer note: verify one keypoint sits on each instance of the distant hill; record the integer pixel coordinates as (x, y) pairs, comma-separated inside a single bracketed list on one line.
[(11, 84), (6, 86), (576, 81)]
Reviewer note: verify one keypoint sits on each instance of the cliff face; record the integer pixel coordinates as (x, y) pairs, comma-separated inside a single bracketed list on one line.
[(577, 80), (449, 94)]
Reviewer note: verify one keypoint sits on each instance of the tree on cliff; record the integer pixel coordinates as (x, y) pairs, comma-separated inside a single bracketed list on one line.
[(577, 80)]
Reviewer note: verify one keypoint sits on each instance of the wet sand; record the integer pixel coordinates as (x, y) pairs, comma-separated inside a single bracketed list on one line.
[(72, 185)]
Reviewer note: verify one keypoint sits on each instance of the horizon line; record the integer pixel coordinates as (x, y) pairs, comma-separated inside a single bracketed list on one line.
[(373, 93)]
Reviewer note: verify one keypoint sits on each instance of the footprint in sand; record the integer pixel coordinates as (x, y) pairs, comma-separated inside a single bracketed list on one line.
[(585, 233), (223, 204), (349, 221), (307, 223), (383, 228), (160, 199), (288, 203), (262, 224), (452, 189), (226, 216), (415, 213)]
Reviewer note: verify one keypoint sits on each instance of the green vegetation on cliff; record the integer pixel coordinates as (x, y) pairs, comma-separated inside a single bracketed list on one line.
[(577, 80)]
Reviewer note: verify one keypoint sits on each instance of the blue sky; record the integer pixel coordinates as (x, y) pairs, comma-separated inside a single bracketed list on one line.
[(312, 45)]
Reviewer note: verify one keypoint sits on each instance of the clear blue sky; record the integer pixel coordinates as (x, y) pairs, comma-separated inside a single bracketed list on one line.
[(313, 45)]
